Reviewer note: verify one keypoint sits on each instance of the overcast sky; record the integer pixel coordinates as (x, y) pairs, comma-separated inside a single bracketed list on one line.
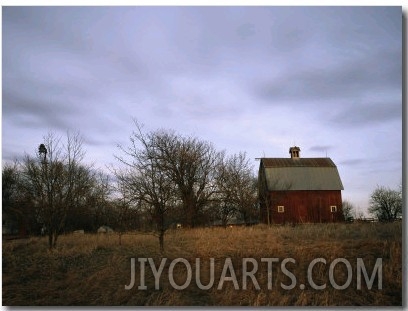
[(253, 79)]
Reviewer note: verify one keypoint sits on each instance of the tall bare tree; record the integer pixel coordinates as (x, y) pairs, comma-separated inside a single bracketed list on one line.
[(56, 181), (146, 182), (191, 164), (187, 162)]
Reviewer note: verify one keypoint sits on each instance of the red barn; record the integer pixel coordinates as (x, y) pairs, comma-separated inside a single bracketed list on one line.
[(299, 190)]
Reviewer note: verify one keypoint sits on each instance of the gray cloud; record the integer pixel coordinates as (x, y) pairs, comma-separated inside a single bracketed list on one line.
[(351, 162), (346, 80), (368, 113), (242, 77), (320, 148), (34, 112)]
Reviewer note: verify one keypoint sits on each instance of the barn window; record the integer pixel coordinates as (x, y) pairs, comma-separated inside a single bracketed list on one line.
[(281, 209), (333, 208)]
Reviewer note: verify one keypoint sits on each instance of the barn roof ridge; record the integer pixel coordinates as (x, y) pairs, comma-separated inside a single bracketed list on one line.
[(297, 162)]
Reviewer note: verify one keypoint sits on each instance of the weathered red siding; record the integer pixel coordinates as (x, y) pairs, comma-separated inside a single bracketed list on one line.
[(312, 206)]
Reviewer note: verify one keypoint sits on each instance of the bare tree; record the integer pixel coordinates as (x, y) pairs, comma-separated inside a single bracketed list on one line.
[(98, 200), (191, 164), (146, 181), (187, 162), (223, 207), (10, 176), (15, 211), (386, 204), (93, 209), (348, 210), (123, 206), (56, 181), (237, 188)]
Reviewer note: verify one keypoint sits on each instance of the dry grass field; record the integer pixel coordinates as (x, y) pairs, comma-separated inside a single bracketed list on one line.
[(94, 269)]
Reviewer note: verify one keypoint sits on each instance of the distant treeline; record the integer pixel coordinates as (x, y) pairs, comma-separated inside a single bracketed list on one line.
[(161, 179)]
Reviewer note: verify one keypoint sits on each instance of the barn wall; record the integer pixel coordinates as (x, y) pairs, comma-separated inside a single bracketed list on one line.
[(301, 206), (263, 194)]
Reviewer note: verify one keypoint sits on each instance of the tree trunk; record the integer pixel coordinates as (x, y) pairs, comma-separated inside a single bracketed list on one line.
[(50, 239), (189, 215), (55, 239), (161, 241), (246, 217), (190, 210)]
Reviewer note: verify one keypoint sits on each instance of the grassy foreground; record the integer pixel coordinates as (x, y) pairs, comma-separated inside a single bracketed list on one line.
[(94, 269)]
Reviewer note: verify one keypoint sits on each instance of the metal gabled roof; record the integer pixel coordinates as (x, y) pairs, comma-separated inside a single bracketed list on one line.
[(297, 162), (301, 174)]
